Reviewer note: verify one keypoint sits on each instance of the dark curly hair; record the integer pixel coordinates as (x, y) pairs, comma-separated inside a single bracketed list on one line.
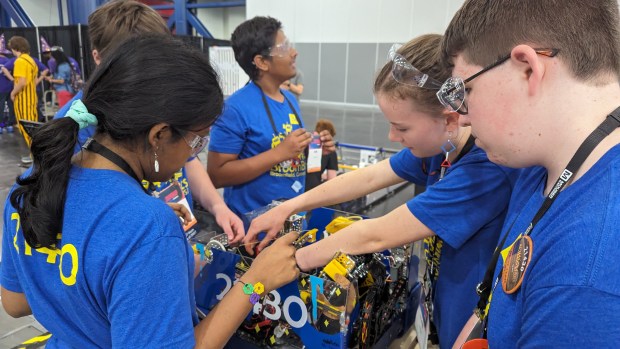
[(251, 38)]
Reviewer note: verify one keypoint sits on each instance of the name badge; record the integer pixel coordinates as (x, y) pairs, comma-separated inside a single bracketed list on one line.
[(315, 152), (516, 264)]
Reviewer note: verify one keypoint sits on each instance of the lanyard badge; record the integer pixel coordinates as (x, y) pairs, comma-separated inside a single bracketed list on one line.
[(516, 264)]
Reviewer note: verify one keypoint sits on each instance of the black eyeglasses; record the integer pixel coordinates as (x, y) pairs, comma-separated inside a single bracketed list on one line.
[(452, 93)]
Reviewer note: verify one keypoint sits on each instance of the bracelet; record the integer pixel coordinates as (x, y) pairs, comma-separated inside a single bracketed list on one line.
[(254, 291)]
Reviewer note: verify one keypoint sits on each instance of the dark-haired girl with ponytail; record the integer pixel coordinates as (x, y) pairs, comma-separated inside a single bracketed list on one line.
[(98, 261)]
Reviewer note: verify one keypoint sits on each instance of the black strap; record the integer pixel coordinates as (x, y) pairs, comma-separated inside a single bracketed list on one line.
[(96, 147), (612, 121), (268, 110), (466, 148)]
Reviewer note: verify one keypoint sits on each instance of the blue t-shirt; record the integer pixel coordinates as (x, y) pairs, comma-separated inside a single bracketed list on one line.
[(87, 132), (51, 63), (570, 295), (122, 275), (244, 129), (466, 209), (64, 72)]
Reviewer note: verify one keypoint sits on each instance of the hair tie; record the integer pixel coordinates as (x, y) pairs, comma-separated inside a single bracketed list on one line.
[(80, 114)]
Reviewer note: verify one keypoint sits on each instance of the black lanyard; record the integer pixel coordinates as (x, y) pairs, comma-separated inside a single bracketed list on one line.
[(96, 147), (612, 121), (273, 124)]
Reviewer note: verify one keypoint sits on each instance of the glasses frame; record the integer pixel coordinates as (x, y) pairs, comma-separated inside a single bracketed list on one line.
[(198, 143), (446, 92), (416, 78)]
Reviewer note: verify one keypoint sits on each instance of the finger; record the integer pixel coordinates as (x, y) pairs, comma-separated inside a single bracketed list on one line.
[(269, 237), (239, 233), (249, 241), (263, 244), (298, 132), (228, 230), (185, 214), (288, 239)]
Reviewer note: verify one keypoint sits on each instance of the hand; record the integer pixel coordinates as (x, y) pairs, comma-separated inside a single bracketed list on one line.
[(229, 222), (294, 143), (13, 94), (286, 85), (271, 222), (181, 211), (327, 142), (276, 266)]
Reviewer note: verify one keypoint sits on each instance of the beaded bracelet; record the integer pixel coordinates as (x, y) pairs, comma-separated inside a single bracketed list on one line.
[(254, 291)]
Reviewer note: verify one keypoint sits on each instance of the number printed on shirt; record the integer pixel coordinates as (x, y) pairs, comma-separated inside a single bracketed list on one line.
[(52, 254)]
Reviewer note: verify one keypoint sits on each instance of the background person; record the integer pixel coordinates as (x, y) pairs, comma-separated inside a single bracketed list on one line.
[(7, 120), (329, 162), (295, 84), (258, 145), (24, 95), (61, 79)]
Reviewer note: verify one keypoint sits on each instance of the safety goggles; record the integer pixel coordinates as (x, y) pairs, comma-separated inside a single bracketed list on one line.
[(197, 143), (282, 49), (405, 73), (453, 92)]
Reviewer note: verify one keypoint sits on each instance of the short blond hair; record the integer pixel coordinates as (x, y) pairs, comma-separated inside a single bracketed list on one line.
[(116, 21)]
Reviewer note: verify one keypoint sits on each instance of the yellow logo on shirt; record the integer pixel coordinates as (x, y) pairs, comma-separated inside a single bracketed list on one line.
[(293, 119)]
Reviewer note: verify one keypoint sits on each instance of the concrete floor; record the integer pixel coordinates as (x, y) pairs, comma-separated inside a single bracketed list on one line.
[(362, 126)]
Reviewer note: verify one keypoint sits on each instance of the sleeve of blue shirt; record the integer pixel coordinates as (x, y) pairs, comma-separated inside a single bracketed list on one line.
[(148, 303), (228, 134), (9, 279), (471, 195)]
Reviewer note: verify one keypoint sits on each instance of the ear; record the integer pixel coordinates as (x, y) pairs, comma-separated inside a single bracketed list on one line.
[(96, 57), (262, 63), (532, 65), (452, 120), (159, 134)]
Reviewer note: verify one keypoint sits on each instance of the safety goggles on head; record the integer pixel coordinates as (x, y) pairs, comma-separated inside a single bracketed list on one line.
[(282, 49), (405, 73), (197, 142), (452, 93)]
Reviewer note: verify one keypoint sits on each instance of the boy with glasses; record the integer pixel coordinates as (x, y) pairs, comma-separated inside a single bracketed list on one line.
[(550, 103)]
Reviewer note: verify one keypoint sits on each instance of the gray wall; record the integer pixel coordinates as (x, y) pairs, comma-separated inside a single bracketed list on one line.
[(340, 72)]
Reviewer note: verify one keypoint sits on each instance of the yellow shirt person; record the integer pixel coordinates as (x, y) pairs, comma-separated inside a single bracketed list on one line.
[(24, 92)]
